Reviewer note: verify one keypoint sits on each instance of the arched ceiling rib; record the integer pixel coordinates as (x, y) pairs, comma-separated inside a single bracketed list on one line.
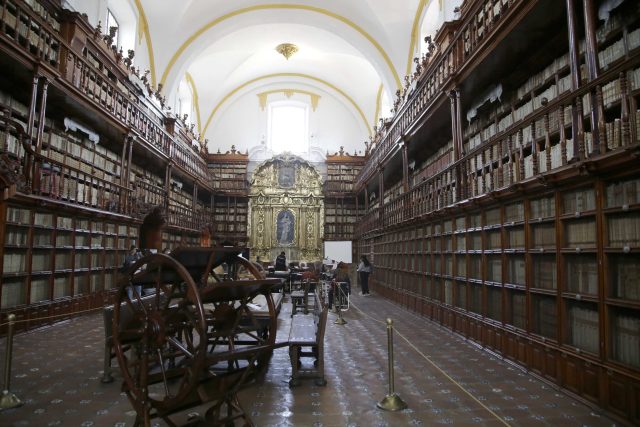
[(357, 51)]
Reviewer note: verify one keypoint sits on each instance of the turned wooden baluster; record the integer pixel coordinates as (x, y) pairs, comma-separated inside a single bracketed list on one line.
[(521, 174), (601, 147), (510, 161), (534, 149), (547, 138), (578, 140), (563, 136), (500, 180), (624, 115), (490, 171)]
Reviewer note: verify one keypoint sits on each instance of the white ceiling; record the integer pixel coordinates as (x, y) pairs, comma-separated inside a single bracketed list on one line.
[(347, 48)]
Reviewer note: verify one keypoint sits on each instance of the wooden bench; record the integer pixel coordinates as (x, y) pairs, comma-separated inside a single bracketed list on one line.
[(306, 339), (300, 298)]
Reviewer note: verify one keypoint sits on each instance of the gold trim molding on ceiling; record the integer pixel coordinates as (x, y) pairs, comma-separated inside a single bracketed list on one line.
[(174, 58), (143, 28), (196, 100), (262, 97), (297, 75)]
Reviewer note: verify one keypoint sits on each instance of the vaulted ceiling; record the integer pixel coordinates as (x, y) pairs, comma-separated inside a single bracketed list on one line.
[(356, 51)]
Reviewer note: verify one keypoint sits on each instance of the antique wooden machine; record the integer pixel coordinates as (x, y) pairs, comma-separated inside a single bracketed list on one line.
[(187, 332)]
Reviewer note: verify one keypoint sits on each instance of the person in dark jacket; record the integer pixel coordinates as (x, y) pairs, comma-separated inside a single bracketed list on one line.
[(364, 270), (281, 262)]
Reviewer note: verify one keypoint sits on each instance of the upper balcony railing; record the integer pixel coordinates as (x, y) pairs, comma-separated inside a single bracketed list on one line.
[(476, 25), (37, 35), (534, 150)]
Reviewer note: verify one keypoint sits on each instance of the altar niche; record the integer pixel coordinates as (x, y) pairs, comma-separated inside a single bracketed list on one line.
[(285, 226), (286, 210)]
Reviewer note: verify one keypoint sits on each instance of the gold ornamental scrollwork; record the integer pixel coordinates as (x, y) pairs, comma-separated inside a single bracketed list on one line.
[(287, 206)]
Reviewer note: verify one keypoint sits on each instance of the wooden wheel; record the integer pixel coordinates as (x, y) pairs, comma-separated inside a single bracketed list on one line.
[(234, 323), (159, 333)]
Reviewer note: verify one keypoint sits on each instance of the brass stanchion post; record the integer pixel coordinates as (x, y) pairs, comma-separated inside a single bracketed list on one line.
[(339, 298), (8, 399), (391, 402)]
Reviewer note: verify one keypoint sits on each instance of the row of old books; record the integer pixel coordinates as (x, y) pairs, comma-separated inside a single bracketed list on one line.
[(544, 272), (583, 327), (623, 193), (579, 201), (626, 338), (624, 230), (581, 274), (543, 236), (580, 233)]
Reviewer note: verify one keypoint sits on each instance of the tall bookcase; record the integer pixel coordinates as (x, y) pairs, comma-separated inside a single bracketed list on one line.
[(49, 255), (519, 226), (101, 155), (341, 208)]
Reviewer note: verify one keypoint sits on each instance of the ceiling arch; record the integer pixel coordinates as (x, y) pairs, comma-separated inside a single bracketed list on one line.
[(239, 88), (180, 56)]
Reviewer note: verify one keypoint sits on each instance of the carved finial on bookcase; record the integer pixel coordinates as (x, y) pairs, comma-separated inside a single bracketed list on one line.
[(98, 30), (418, 71), (128, 61), (119, 55)]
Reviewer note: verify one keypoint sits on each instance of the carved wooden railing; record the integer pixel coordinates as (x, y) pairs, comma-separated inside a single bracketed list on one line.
[(437, 75), (114, 99), (230, 184), (33, 33), (146, 195), (185, 157), (526, 151), (338, 186), (186, 217)]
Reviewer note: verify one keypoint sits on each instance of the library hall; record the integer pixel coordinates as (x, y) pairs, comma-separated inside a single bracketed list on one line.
[(319, 213)]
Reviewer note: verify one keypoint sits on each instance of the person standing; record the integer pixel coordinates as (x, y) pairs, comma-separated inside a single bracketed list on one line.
[(364, 270)]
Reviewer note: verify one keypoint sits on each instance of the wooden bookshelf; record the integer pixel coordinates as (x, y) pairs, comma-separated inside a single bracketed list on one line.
[(103, 152), (520, 226)]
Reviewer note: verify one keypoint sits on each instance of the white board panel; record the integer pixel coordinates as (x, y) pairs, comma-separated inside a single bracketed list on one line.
[(337, 251)]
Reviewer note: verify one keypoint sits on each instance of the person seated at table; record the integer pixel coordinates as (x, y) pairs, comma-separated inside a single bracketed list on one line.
[(281, 262)]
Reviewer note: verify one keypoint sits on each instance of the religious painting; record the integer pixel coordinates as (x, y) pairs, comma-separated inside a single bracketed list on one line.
[(284, 227), (286, 176)]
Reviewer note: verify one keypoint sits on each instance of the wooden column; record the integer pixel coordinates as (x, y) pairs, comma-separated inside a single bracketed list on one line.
[(39, 131), (127, 154), (42, 114), (591, 57), (574, 62), (405, 165), (381, 196), (28, 160), (366, 200), (453, 101), (194, 204), (167, 189)]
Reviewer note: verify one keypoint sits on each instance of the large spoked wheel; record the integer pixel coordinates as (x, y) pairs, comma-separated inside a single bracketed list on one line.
[(159, 333)]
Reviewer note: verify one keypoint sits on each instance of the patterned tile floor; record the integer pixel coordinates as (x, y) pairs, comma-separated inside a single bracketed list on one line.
[(442, 378)]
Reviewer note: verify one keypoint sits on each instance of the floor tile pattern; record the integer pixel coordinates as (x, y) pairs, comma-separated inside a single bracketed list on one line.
[(444, 379)]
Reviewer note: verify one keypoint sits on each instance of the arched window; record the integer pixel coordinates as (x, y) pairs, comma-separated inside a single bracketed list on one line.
[(288, 127), (113, 22)]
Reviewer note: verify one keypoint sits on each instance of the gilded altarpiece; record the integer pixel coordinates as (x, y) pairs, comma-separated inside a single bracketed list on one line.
[(286, 210)]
